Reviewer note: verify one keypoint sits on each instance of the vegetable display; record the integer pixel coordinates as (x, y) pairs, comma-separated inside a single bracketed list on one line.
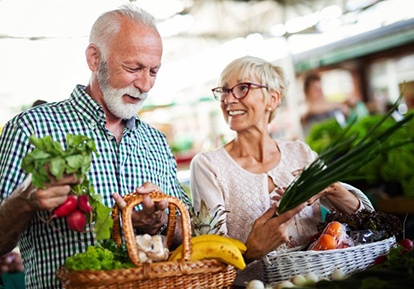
[(391, 169), (333, 165), (49, 160)]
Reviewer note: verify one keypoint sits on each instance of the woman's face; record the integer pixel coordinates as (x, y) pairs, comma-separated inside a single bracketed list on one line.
[(248, 113)]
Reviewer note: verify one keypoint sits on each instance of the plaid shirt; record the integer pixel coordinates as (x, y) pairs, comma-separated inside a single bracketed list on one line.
[(142, 155)]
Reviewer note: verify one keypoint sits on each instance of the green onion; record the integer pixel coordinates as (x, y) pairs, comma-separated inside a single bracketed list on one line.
[(330, 166)]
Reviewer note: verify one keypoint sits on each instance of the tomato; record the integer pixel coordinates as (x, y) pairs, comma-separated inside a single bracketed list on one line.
[(335, 229), (325, 242)]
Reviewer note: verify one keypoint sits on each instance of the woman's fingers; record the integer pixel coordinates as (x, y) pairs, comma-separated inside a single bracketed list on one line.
[(288, 215)]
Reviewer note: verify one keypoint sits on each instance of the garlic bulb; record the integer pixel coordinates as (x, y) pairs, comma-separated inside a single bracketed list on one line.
[(338, 274), (285, 284), (255, 284)]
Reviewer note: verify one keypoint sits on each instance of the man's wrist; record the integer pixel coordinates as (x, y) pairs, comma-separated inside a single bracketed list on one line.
[(161, 230)]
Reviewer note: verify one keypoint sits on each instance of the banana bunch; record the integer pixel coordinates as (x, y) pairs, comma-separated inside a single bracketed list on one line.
[(210, 246)]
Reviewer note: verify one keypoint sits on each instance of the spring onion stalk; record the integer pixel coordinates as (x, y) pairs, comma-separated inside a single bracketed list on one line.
[(330, 166)]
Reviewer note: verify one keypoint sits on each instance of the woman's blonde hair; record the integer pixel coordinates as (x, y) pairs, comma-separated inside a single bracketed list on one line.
[(270, 75)]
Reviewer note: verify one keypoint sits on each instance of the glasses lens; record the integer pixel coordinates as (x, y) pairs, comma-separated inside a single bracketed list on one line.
[(241, 90), (218, 93)]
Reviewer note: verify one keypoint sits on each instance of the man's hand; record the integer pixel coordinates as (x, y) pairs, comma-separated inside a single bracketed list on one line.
[(152, 216), (11, 262), (53, 195)]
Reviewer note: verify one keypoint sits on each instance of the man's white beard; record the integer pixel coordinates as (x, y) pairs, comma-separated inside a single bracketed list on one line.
[(115, 104), (113, 97)]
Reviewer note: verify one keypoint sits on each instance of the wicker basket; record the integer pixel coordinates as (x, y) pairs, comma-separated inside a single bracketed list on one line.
[(207, 273), (283, 266)]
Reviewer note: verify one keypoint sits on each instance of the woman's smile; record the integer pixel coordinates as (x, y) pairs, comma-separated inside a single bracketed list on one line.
[(235, 112)]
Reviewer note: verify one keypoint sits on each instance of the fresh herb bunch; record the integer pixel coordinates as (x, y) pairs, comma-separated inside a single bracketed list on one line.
[(49, 159), (390, 224), (332, 165), (120, 252)]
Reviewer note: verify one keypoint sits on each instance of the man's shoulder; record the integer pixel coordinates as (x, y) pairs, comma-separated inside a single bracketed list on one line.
[(150, 129), (44, 111)]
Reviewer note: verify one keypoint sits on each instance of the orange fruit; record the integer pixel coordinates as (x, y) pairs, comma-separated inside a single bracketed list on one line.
[(334, 229), (325, 242)]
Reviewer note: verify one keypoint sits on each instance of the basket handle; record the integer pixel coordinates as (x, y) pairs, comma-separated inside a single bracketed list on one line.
[(134, 199)]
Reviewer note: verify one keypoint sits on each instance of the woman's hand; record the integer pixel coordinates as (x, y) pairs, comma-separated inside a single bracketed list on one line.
[(152, 216), (341, 199), (331, 190), (269, 232)]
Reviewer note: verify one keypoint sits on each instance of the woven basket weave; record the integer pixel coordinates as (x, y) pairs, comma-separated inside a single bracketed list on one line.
[(284, 266), (207, 273)]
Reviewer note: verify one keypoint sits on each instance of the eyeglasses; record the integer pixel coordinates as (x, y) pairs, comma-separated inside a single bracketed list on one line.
[(239, 91)]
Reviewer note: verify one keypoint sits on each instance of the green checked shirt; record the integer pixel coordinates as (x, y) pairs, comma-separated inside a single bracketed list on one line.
[(143, 155)]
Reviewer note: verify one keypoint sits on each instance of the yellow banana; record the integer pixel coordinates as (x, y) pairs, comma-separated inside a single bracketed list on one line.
[(226, 252), (211, 238)]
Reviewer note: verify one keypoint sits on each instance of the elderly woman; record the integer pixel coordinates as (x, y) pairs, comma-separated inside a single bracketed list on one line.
[(247, 175)]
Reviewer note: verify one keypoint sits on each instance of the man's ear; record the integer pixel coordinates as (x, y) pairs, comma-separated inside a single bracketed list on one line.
[(93, 56)]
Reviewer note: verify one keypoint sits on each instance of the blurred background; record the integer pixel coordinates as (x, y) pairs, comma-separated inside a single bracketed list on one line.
[(362, 49)]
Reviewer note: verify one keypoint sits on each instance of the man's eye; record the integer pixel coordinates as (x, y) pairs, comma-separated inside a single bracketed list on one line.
[(133, 69)]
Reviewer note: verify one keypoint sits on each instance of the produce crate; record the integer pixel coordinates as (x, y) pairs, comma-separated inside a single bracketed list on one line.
[(280, 267), (180, 274)]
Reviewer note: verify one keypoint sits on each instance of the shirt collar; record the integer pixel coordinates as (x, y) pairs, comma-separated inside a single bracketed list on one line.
[(93, 111)]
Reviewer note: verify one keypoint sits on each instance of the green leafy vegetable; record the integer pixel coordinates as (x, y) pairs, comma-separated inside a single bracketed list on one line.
[(49, 159), (98, 258), (390, 224), (332, 166)]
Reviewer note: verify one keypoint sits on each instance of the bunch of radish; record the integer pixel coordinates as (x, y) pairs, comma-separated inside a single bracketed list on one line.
[(76, 210), (49, 160)]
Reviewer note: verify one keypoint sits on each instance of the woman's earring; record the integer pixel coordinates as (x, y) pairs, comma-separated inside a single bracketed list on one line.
[(269, 109)]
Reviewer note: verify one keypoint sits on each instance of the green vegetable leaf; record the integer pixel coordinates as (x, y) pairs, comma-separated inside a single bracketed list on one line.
[(103, 222), (74, 163), (57, 166)]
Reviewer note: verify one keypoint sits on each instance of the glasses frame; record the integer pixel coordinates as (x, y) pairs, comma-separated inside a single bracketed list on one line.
[(226, 91)]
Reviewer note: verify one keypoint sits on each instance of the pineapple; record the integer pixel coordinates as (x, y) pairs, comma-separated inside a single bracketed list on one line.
[(206, 222)]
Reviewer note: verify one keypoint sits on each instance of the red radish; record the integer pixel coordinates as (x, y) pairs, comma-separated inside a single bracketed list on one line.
[(380, 259), (77, 221), (66, 208), (83, 204), (407, 244)]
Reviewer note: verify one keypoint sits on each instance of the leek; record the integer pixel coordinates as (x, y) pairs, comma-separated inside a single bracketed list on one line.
[(329, 168)]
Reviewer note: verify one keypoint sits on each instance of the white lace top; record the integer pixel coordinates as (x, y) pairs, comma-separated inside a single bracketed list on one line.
[(218, 179)]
